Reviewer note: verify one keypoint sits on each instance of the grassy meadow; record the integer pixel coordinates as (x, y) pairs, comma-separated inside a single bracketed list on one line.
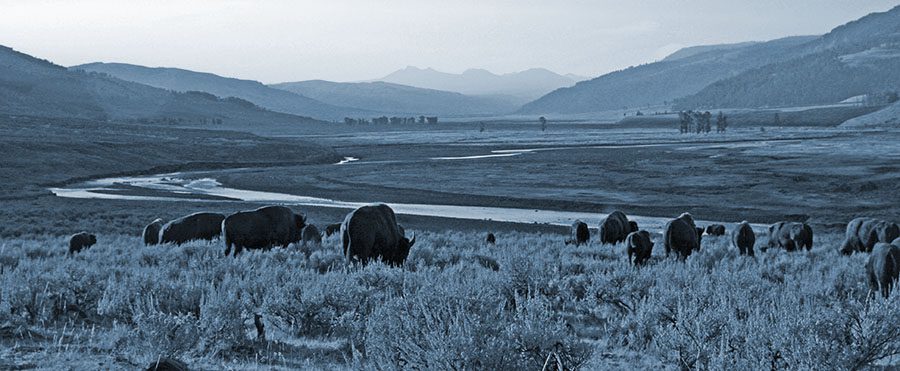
[(528, 302)]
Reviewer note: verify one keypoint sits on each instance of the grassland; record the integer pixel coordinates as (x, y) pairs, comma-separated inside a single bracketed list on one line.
[(122, 305)]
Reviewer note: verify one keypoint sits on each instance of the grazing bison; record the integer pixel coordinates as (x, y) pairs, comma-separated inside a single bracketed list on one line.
[(80, 241), (639, 247), (262, 228), (580, 233), (743, 238), (197, 226), (151, 232), (332, 229), (310, 234), (371, 232), (615, 227), (790, 236), (682, 235), (883, 267), (863, 233), (715, 230), (491, 239)]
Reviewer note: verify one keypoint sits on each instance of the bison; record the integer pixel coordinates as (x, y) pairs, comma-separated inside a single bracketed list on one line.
[(151, 232), (310, 235), (615, 227), (883, 268), (491, 239), (80, 241), (863, 233), (197, 226), (639, 247), (790, 236), (167, 364), (715, 230), (332, 229), (371, 233), (580, 233), (743, 238), (682, 236), (262, 228)]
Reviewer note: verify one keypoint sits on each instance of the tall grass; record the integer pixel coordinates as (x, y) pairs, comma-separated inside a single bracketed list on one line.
[(546, 304)]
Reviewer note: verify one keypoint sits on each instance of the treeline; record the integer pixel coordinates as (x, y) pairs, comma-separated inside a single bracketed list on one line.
[(394, 120), (822, 78), (700, 122)]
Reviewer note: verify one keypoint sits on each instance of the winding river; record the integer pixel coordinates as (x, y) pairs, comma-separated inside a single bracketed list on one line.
[(182, 187)]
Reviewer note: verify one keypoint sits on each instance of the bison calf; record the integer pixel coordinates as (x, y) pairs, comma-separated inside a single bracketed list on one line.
[(639, 247), (81, 241)]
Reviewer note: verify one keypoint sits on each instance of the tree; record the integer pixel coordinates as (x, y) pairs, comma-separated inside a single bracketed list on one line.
[(721, 123), (777, 119), (543, 121), (482, 127), (421, 119)]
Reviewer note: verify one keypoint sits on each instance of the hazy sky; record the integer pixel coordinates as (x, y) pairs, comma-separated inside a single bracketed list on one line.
[(276, 41)]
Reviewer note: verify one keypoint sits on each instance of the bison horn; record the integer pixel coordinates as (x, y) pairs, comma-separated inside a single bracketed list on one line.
[(413, 240)]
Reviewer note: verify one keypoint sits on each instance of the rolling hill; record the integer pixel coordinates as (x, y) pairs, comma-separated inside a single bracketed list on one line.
[(398, 99), (860, 57), (683, 73), (33, 87), (184, 80), (521, 86)]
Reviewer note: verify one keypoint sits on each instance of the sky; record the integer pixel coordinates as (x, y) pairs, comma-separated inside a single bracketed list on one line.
[(277, 41)]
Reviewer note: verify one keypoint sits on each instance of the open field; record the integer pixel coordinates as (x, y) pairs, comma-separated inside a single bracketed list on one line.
[(122, 305)]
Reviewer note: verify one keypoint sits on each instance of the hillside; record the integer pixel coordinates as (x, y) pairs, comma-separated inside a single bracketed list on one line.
[(888, 116), (35, 87), (397, 99), (524, 86), (857, 58), (184, 80), (685, 72)]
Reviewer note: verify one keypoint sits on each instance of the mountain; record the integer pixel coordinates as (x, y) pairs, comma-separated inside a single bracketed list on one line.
[(253, 91), (685, 72), (524, 86), (860, 57), (398, 99), (694, 50), (36, 87)]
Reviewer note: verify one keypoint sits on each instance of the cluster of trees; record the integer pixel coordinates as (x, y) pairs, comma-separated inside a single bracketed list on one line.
[(394, 120), (701, 122)]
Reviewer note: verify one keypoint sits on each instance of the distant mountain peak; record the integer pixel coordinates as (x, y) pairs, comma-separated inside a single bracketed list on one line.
[(525, 85)]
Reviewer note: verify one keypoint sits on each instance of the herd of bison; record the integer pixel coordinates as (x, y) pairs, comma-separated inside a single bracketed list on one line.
[(371, 233)]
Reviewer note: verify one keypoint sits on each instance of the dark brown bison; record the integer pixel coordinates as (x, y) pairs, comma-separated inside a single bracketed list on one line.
[(743, 238), (197, 226), (615, 227), (715, 230), (863, 233), (167, 364), (371, 233), (580, 233), (883, 268), (639, 247), (151, 232), (332, 229), (790, 236), (682, 236), (80, 241), (491, 239), (262, 228), (310, 234)]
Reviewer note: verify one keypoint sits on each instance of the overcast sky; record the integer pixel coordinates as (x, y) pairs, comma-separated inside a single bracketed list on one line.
[(276, 41)]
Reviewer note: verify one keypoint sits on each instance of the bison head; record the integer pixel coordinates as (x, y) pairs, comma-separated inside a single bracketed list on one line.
[(632, 226), (92, 239), (403, 250)]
